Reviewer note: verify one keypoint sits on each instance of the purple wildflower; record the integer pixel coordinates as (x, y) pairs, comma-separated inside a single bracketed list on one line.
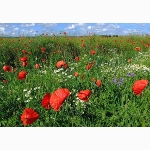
[(115, 80), (130, 74)]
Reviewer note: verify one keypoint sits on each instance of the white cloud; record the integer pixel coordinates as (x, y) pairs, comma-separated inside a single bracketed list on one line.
[(16, 28), (113, 26), (100, 24), (2, 29), (70, 27), (80, 24), (141, 24), (27, 24), (89, 27), (77, 25), (13, 33), (47, 25), (5, 25), (128, 31), (104, 29)]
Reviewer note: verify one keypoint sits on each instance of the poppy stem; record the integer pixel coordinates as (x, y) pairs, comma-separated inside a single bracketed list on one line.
[(55, 117)]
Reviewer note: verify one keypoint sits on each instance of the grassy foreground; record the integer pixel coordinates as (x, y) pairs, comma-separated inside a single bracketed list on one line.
[(116, 62)]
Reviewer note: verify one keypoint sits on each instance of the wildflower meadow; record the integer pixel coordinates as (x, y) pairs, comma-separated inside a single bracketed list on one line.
[(75, 81)]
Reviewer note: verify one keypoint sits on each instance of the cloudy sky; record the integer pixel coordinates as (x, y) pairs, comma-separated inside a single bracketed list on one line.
[(32, 29)]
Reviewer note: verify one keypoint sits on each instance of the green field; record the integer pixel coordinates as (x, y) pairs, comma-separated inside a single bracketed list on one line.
[(117, 62)]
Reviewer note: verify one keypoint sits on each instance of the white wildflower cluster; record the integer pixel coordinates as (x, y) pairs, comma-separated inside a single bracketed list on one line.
[(107, 70), (136, 67), (64, 73), (37, 88), (27, 93), (70, 76), (114, 58), (84, 55), (43, 71), (78, 101), (71, 68), (73, 64), (74, 90), (142, 56), (58, 70), (1, 86)]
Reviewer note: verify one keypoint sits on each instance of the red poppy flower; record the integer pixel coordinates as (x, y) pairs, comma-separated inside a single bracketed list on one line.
[(43, 60), (24, 52), (43, 49), (88, 67), (60, 63), (129, 60), (147, 45), (23, 59), (65, 33), (83, 45), (93, 79), (93, 52), (84, 95), (37, 66), (65, 66), (77, 58), (58, 97), (5, 81), (22, 75), (24, 63), (7, 68), (137, 48), (46, 101), (14, 70), (98, 83), (139, 86), (92, 63), (76, 74), (29, 116)]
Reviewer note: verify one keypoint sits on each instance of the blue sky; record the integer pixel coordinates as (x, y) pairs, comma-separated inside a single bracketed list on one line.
[(29, 29)]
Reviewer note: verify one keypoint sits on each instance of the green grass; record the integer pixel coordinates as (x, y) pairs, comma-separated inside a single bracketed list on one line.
[(110, 105)]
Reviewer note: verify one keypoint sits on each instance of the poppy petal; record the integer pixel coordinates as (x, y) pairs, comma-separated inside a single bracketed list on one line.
[(22, 75), (7, 68), (60, 63), (45, 101), (58, 97), (98, 83), (84, 95), (23, 59), (29, 116), (139, 86)]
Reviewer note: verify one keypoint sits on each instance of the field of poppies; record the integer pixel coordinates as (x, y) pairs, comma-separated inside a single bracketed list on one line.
[(64, 81)]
